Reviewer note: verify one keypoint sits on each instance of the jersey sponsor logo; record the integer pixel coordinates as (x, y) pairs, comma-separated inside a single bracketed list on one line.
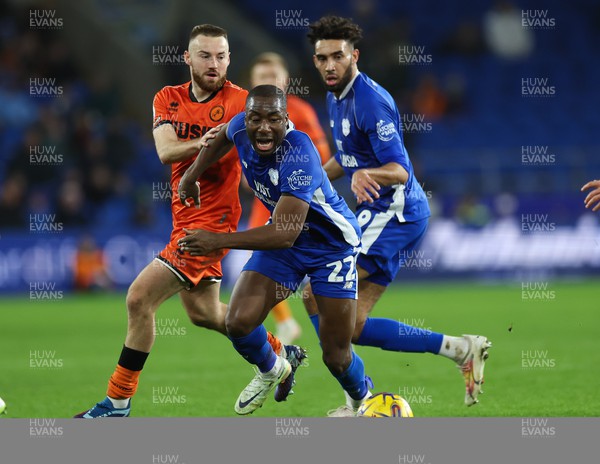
[(345, 127), (217, 113), (299, 179), (349, 161), (185, 130), (260, 188), (274, 176), (385, 132)]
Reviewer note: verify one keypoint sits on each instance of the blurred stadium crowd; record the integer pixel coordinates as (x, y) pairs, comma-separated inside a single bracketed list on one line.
[(68, 146), (79, 153)]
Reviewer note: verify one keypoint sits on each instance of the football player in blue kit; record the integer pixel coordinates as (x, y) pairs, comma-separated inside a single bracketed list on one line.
[(392, 208), (311, 232)]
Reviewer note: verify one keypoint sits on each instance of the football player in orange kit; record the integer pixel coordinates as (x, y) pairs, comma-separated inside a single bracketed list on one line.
[(270, 69), (182, 115)]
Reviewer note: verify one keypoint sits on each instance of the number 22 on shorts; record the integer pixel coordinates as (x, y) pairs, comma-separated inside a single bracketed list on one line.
[(338, 266)]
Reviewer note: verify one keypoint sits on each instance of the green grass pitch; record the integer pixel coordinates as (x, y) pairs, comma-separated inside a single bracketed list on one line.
[(56, 356)]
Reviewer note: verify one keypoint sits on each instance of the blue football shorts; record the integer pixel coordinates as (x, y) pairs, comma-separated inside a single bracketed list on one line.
[(385, 240), (332, 272)]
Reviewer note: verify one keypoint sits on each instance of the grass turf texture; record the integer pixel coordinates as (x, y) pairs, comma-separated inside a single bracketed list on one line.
[(196, 372)]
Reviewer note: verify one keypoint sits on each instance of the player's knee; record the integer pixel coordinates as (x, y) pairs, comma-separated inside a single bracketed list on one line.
[(337, 361), (136, 302), (200, 320), (200, 314), (212, 320), (237, 325)]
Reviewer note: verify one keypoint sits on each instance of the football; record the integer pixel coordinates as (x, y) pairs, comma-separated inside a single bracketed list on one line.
[(385, 405)]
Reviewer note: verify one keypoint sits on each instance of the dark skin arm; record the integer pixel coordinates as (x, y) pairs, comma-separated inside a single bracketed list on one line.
[(288, 220), (188, 189), (333, 169)]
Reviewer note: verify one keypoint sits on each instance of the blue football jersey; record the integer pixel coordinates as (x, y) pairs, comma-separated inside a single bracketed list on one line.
[(367, 131), (295, 169)]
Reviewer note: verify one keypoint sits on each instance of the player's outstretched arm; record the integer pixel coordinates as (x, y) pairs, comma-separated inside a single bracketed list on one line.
[(367, 182), (288, 220), (217, 148), (592, 198), (172, 150)]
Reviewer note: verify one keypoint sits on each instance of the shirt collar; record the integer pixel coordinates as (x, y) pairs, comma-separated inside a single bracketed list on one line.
[(290, 127), (348, 87)]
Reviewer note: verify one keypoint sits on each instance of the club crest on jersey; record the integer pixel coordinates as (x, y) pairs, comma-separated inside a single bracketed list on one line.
[(299, 179), (173, 107), (331, 123), (385, 132), (345, 127), (217, 113), (274, 176)]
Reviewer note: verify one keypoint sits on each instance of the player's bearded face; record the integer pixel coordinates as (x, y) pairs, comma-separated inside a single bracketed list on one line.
[(209, 81), (266, 123), (336, 62), (208, 61), (340, 84)]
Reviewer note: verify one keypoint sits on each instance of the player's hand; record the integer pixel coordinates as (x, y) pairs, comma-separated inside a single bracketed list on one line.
[(364, 187), (593, 196), (189, 191), (198, 242), (211, 134)]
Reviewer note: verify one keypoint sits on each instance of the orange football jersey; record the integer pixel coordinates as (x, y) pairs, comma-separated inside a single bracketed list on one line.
[(220, 207), (305, 119)]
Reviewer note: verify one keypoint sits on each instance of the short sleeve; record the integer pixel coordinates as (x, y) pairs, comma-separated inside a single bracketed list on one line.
[(380, 125), (300, 172), (160, 112), (235, 125)]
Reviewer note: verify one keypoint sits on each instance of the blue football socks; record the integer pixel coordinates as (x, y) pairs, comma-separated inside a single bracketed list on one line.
[(256, 349)]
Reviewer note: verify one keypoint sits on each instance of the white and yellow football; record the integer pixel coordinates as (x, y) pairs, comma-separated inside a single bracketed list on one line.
[(385, 405)]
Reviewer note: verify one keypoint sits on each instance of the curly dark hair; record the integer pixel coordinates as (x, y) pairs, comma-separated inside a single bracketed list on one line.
[(336, 28)]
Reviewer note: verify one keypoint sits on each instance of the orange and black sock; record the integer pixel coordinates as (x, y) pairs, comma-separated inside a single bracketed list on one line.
[(124, 381)]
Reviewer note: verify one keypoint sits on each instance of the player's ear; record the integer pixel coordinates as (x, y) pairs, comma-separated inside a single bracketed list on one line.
[(186, 57), (315, 61), (355, 55)]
